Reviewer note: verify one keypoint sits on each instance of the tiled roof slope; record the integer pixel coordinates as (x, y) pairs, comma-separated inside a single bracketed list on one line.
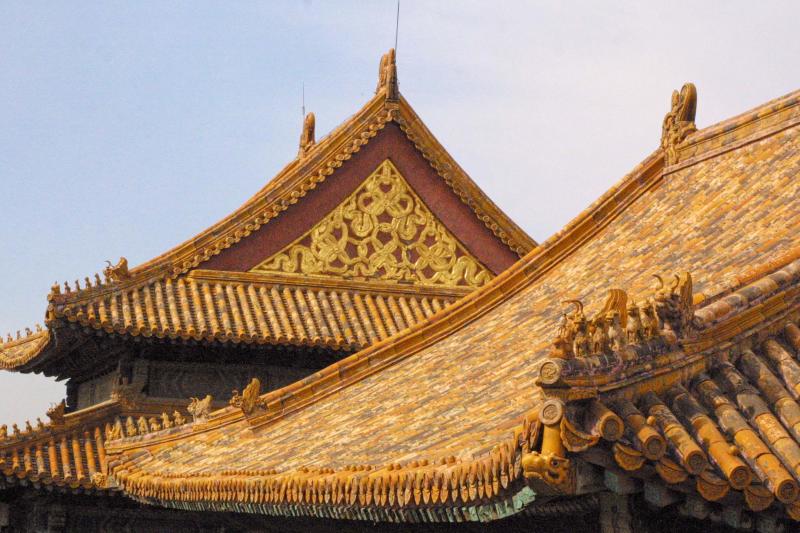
[(713, 414), (251, 309), (69, 449), (17, 352), (453, 388), (244, 308), (735, 428), (158, 298)]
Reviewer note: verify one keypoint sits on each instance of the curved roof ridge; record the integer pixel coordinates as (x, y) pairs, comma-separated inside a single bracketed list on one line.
[(511, 454), (776, 104), (759, 122)]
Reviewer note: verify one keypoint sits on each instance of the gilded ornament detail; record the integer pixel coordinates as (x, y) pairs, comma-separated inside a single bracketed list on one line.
[(679, 122), (382, 231)]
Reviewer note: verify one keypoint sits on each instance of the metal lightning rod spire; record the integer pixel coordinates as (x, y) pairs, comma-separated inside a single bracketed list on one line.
[(396, 27), (304, 100)]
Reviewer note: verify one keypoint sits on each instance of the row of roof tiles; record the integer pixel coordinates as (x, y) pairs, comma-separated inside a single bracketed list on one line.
[(18, 352), (70, 450), (252, 312), (261, 313), (62, 459), (735, 428)]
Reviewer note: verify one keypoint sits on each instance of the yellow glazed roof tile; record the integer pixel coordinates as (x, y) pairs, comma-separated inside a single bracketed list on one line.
[(457, 392)]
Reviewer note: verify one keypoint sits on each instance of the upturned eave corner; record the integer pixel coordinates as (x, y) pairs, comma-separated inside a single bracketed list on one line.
[(653, 398)]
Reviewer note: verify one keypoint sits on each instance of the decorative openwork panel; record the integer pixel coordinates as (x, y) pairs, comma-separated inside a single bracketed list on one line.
[(382, 231)]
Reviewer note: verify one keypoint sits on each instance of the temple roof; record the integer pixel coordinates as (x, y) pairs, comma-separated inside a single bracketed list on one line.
[(68, 449), (17, 352), (452, 401), (369, 230)]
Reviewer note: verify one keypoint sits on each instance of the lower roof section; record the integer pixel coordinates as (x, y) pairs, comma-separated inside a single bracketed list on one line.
[(451, 398), (68, 450)]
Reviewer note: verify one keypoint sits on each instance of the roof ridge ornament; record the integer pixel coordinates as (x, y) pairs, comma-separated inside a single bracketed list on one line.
[(200, 409), (307, 139), (387, 76), (249, 399), (116, 272), (623, 336), (56, 413), (678, 122)]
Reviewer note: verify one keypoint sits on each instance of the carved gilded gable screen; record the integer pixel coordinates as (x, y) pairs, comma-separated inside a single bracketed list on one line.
[(384, 231)]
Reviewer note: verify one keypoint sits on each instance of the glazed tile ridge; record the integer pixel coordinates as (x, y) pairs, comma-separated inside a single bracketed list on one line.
[(765, 119)]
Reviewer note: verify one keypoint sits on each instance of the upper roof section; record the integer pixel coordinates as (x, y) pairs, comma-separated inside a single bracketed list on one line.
[(464, 382), (326, 172), (364, 233)]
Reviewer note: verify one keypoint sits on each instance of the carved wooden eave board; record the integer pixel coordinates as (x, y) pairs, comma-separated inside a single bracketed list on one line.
[(198, 291), (447, 417)]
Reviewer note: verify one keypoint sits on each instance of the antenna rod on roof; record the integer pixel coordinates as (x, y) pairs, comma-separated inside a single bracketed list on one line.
[(304, 99), (396, 27)]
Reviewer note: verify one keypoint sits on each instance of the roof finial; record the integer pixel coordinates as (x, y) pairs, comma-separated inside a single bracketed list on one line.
[(307, 136), (387, 76), (678, 122)]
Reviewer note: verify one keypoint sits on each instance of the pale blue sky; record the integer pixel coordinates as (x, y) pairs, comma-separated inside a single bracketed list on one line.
[(127, 127)]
